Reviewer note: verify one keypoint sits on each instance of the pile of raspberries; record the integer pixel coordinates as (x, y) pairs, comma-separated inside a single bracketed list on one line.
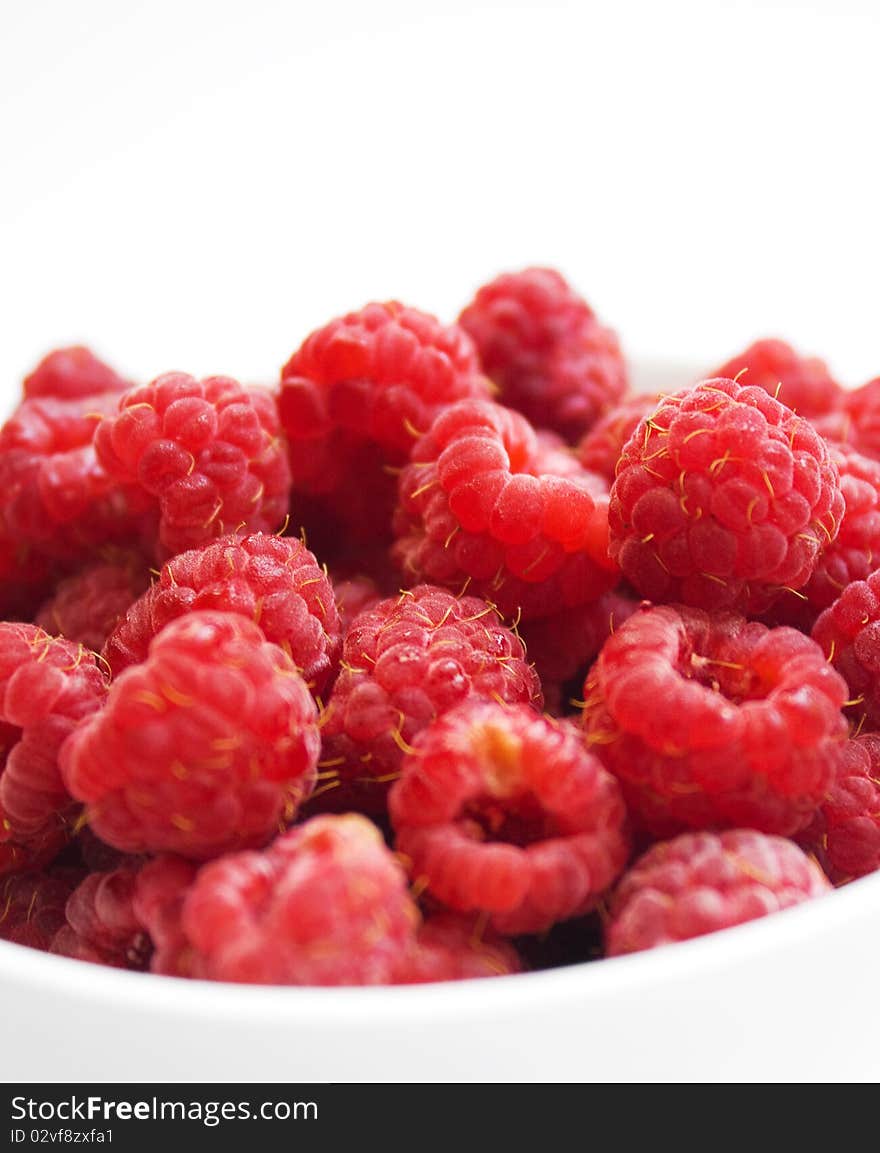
[(445, 657)]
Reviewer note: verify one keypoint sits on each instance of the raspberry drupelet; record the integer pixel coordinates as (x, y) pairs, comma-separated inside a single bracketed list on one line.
[(487, 502), (354, 397), (32, 905), (208, 745), (208, 454), (71, 373), (601, 448), (274, 581), (723, 499), (325, 904), (711, 721), (701, 882), (845, 834), (47, 687), (848, 632), (87, 606), (100, 922), (543, 347), (501, 811), (405, 661), (802, 383)]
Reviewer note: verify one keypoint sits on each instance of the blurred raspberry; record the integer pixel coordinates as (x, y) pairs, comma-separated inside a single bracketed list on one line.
[(87, 606), (405, 661), (32, 905), (487, 503), (325, 904), (72, 373), (354, 595), (207, 746), (702, 882), (848, 632), (208, 454), (723, 498), (100, 922), (354, 397), (274, 581), (451, 947), (802, 383), (601, 448), (712, 721), (502, 811), (845, 835), (47, 686), (543, 347)]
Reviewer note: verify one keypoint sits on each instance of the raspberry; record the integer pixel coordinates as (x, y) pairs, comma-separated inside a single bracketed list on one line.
[(723, 498), (488, 503), (505, 812), (858, 420), (101, 924), (711, 721), (274, 581), (325, 904), (562, 645), (542, 345), (32, 906), (25, 577), (353, 399), (702, 882), (47, 686), (845, 835), (207, 746), (404, 662), (601, 448), (86, 607), (207, 453), (802, 383), (450, 947), (161, 886), (72, 373), (855, 552), (848, 632), (55, 497)]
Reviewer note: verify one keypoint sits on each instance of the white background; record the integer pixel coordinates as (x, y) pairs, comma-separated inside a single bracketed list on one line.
[(196, 186)]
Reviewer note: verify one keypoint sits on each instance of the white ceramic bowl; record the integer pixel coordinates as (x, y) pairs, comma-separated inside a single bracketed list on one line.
[(789, 998)]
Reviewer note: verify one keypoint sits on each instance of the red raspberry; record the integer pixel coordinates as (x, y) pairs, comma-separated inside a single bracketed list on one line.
[(450, 947), (353, 399), (848, 632), (25, 577), (208, 453), (55, 497), (32, 906), (858, 421), (72, 373), (802, 383), (87, 606), (543, 347), (160, 889), (855, 552), (207, 746), (487, 502), (502, 811), (714, 721), (601, 448), (101, 924), (702, 882), (274, 581), (845, 835), (723, 497), (325, 904), (562, 645), (47, 686), (404, 662)]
